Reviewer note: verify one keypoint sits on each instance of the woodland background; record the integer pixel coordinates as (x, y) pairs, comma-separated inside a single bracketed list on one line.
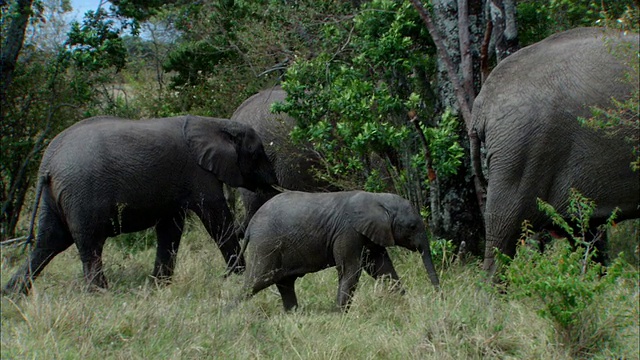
[(356, 72)]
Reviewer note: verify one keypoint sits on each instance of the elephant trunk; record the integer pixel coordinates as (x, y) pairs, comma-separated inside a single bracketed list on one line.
[(428, 265)]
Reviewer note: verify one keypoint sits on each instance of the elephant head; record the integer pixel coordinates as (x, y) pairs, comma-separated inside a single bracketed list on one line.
[(388, 220), (232, 151)]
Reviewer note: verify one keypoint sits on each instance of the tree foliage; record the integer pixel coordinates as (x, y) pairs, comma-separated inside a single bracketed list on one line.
[(356, 72), (52, 87), (538, 19), (354, 99)]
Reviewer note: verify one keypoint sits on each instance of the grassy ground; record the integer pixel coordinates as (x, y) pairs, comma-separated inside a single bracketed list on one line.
[(190, 319)]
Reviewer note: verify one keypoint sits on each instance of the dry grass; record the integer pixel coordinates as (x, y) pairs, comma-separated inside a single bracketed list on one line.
[(190, 319)]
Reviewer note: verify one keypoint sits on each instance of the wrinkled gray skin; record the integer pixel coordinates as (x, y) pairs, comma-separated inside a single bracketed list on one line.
[(292, 162), (526, 115), (105, 176), (296, 233)]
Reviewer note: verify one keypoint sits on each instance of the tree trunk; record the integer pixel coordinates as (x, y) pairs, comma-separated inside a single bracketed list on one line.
[(9, 224), (12, 41), (504, 33), (455, 212)]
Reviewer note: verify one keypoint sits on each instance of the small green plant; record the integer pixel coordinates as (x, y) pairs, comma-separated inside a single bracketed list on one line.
[(134, 243), (442, 252), (567, 286)]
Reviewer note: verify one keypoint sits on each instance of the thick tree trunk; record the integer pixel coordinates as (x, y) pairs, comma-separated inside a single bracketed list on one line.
[(504, 33), (455, 210), (12, 40)]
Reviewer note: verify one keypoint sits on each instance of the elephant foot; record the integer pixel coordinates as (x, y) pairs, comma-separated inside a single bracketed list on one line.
[(97, 283), (161, 280), (14, 288), (92, 288), (20, 283), (396, 287)]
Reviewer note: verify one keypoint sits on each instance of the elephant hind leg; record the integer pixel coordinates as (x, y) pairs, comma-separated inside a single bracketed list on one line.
[(504, 216), (286, 287), (168, 232), (53, 238), (38, 258), (90, 247)]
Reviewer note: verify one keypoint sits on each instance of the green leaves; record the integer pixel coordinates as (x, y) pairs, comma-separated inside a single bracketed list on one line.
[(538, 19), (446, 152), (579, 210), (564, 282), (96, 44), (351, 101)]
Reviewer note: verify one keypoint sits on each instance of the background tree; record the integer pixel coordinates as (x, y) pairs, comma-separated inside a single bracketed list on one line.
[(47, 86), (356, 71)]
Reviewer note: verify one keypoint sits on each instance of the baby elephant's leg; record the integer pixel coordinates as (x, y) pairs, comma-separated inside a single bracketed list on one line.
[(286, 286), (348, 275), (377, 263)]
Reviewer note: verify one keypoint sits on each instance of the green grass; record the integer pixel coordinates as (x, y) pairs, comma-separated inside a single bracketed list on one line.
[(191, 319)]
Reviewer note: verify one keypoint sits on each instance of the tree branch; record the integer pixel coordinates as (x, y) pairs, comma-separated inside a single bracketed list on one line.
[(18, 18), (466, 62), (427, 153), (465, 107), (484, 52)]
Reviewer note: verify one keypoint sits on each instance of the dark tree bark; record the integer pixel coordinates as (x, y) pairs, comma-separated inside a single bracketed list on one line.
[(457, 30), (12, 41), (502, 14)]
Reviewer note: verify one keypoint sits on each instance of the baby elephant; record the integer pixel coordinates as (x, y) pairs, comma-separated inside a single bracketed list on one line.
[(296, 233)]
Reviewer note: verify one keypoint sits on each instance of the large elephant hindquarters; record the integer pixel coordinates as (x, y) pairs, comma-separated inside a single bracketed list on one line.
[(527, 116), (293, 163)]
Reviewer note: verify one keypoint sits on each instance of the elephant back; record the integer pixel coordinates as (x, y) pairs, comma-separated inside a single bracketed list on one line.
[(294, 163), (536, 79)]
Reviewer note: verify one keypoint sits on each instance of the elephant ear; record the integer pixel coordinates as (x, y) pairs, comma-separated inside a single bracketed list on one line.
[(213, 148), (369, 217)]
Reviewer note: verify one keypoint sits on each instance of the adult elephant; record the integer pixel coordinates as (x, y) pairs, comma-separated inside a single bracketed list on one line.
[(527, 116), (105, 176), (296, 233), (293, 163)]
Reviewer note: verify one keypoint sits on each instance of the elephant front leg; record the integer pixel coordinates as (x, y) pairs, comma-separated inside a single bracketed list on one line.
[(168, 231), (286, 286), (221, 229), (348, 276), (377, 263)]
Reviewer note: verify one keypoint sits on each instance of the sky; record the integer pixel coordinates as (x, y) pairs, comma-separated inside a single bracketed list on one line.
[(82, 6)]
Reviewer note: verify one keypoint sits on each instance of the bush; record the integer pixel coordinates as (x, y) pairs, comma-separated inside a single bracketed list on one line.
[(567, 286), (442, 252), (136, 242)]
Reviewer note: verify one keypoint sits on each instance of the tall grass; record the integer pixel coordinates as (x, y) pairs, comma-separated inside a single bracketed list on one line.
[(191, 319)]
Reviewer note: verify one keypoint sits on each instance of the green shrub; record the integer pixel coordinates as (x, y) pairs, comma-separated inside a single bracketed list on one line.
[(567, 286), (442, 252), (136, 242)]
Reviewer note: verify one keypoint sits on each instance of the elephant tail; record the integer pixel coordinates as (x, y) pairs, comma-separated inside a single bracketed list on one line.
[(231, 269), (476, 161), (42, 180)]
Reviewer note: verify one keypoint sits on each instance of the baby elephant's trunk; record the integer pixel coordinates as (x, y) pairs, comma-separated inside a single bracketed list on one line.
[(428, 265)]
